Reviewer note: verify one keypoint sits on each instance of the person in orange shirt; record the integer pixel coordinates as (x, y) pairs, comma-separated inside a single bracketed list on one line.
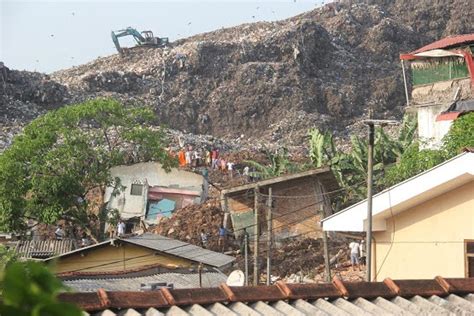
[(182, 158)]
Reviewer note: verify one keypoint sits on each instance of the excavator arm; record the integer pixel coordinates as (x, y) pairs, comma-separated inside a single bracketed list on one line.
[(129, 31)]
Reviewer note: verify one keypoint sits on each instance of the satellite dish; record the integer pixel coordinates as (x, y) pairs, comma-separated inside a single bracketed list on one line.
[(236, 278)]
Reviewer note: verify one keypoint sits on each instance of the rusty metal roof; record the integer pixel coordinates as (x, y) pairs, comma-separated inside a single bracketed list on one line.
[(165, 245), (451, 296), (324, 174), (447, 42), (42, 249)]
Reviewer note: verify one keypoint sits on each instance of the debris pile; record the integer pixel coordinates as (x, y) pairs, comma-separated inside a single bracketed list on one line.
[(186, 223), (265, 82)]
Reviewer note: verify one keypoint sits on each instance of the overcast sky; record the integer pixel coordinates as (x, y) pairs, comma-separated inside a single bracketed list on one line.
[(51, 35)]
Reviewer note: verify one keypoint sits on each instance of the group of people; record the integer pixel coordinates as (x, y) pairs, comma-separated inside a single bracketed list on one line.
[(223, 234), (212, 158), (358, 254)]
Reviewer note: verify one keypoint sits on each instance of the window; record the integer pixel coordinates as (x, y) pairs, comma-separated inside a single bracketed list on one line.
[(469, 258), (137, 189)]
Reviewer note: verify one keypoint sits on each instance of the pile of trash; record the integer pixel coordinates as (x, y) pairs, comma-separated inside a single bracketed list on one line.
[(258, 83)]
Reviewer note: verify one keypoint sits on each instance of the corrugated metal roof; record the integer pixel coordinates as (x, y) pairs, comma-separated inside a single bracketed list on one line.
[(408, 297), (324, 174), (447, 42), (179, 281), (167, 245), (43, 248), (181, 249)]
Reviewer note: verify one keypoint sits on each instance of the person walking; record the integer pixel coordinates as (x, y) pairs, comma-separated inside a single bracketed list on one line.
[(354, 247)]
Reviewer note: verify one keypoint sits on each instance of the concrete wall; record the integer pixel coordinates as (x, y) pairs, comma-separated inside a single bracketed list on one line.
[(152, 174), (430, 131), (119, 257), (430, 100), (428, 240), (441, 92)]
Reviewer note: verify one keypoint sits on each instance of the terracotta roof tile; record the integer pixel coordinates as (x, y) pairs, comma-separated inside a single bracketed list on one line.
[(402, 293)]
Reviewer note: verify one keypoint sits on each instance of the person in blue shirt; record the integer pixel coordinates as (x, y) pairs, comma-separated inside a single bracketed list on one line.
[(222, 237)]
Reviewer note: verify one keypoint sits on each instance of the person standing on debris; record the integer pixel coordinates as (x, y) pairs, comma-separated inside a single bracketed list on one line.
[(59, 233), (188, 155), (223, 165), (121, 228), (222, 237), (230, 169), (84, 240), (208, 157), (354, 246), (204, 239), (182, 158), (363, 254), (214, 157), (246, 171)]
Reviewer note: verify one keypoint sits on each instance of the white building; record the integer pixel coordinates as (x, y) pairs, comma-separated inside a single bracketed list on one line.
[(151, 193)]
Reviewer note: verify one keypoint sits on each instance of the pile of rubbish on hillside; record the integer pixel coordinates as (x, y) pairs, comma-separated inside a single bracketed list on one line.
[(255, 84)]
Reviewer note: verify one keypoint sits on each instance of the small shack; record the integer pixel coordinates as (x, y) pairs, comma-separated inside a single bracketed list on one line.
[(296, 203), (442, 85)]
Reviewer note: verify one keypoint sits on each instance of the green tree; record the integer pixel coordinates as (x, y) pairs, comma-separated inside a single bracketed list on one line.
[(416, 160), (29, 288), (460, 135), (280, 163), (62, 157), (7, 256), (350, 169)]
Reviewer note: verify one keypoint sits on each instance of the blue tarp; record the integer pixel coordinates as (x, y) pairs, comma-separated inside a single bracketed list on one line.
[(164, 207)]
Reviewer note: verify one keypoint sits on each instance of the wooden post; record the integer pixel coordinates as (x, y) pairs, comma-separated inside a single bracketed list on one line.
[(269, 234), (200, 274), (256, 273), (319, 190), (246, 252)]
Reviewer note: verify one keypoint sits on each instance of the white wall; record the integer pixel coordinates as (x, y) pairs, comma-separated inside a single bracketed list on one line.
[(153, 174), (430, 131)]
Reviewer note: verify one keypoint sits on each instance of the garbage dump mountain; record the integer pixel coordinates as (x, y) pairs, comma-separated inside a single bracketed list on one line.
[(269, 81)]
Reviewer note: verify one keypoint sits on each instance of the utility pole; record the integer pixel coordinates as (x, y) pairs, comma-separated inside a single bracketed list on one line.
[(256, 233), (269, 234), (371, 123), (369, 200)]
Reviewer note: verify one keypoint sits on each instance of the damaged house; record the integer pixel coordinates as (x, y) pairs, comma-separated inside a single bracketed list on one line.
[(297, 202), (442, 79), (152, 193)]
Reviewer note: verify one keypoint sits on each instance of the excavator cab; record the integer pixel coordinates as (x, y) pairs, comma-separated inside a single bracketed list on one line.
[(148, 35)]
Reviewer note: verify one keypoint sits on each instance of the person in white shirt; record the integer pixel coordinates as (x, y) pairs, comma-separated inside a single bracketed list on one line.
[(121, 229), (355, 247), (230, 168)]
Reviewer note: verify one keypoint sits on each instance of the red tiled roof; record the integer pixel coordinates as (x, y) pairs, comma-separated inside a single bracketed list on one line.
[(447, 42), (448, 116), (281, 291)]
